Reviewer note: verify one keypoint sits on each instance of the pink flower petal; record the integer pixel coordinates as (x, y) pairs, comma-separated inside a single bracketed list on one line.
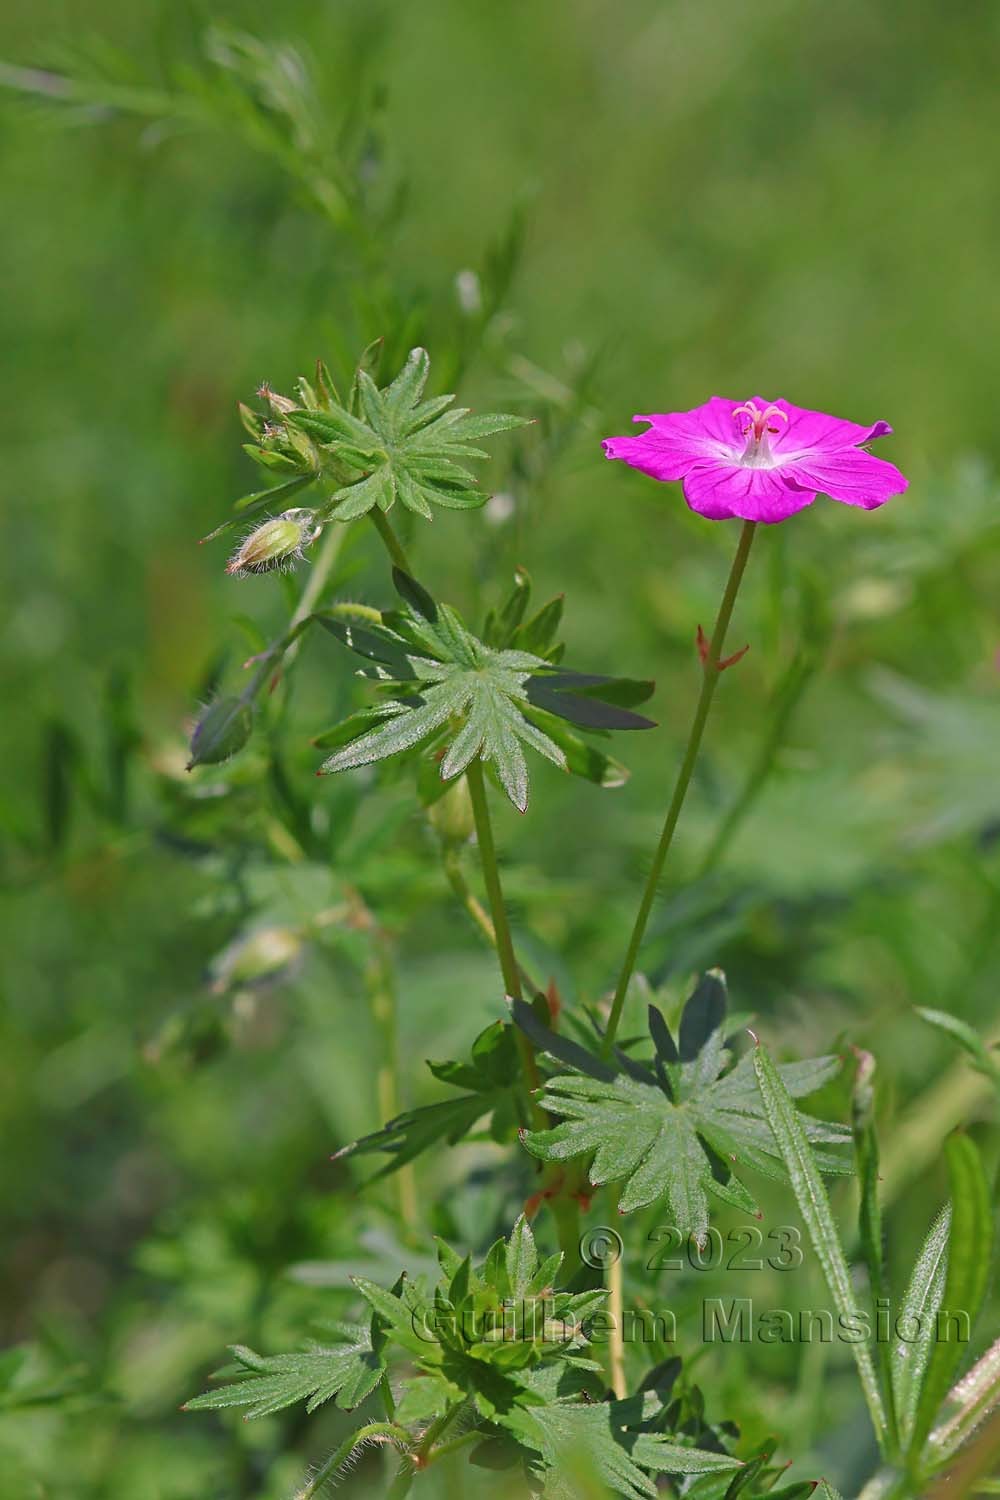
[(660, 460), (713, 425), (677, 440), (851, 476), (809, 430), (760, 460), (719, 491)]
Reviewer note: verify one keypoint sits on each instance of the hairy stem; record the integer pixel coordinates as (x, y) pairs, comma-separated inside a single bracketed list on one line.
[(375, 1432), (711, 670), (393, 545), (501, 927)]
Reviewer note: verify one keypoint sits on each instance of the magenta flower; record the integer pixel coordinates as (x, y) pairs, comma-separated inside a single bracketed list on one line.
[(760, 460)]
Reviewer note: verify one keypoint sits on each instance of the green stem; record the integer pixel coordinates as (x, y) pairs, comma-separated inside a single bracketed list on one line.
[(374, 1431), (326, 557), (501, 927), (393, 545), (710, 677), (455, 1445), (380, 981), (466, 897), (566, 1212), (438, 1428), (786, 701), (615, 1282)]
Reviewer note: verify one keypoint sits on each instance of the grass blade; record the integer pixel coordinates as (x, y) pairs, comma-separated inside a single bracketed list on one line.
[(814, 1206), (920, 1308), (969, 1254)]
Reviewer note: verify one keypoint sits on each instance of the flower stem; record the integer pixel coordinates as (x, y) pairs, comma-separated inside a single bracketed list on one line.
[(393, 545), (501, 927), (375, 1432), (711, 669), (616, 1344)]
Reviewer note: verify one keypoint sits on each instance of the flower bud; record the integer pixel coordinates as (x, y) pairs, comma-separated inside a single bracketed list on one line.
[(451, 815), (223, 728), (280, 405), (274, 544), (257, 957)]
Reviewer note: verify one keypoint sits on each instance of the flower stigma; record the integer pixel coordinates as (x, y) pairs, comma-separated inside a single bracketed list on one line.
[(757, 453)]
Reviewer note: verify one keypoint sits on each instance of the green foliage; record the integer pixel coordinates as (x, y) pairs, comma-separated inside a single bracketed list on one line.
[(247, 958), (605, 1440), (398, 446), (450, 691), (920, 1307), (489, 1079), (970, 1254), (797, 1153), (345, 1373), (486, 1338), (971, 1043), (670, 1125)]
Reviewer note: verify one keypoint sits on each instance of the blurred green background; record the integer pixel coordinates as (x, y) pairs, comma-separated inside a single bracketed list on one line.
[(788, 198)]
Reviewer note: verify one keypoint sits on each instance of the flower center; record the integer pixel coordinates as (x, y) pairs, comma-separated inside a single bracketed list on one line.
[(757, 453)]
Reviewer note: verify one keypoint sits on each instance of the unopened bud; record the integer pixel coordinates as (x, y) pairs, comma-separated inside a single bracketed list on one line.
[(276, 543), (280, 405), (255, 958), (451, 816), (223, 728), (864, 1089)]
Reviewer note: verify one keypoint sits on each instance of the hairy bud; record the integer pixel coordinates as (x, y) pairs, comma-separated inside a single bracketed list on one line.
[(274, 544), (223, 728), (261, 956)]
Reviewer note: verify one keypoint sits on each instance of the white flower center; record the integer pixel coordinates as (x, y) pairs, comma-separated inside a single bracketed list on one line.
[(757, 453)]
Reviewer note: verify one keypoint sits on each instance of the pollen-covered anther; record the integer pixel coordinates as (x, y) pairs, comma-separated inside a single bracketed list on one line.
[(759, 422), (757, 453)]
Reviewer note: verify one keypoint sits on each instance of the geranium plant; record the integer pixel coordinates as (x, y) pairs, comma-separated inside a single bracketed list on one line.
[(522, 1359)]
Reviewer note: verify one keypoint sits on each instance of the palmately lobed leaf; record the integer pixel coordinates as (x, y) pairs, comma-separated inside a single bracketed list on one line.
[(265, 1384), (600, 1440), (471, 700), (674, 1128), (398, 447)]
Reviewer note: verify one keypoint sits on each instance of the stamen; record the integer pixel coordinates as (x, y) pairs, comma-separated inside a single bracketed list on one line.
[(757, 453), (759, 421)]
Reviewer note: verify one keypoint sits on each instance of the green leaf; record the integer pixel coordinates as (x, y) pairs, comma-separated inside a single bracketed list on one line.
[(866, 1161), (670, 1129), (490, 1078), (398, 446), (969, 1040), (970, 1249), (265, 1384), (919, 1311), (803, 1170), (599, 1441), (222, 730), (976, 1394), (521, 1259), (476, 697), (574, 696)]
